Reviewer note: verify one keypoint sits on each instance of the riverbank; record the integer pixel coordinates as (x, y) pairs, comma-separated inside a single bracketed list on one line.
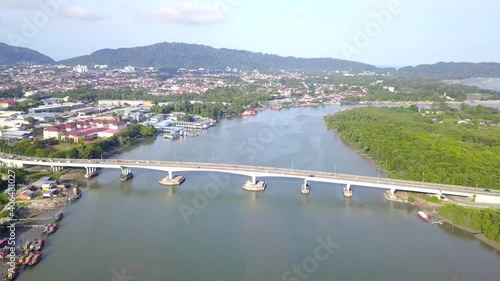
[(421, 202)]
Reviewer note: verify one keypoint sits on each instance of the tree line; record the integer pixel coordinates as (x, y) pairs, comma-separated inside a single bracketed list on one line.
[(410, 146), (485, 221)]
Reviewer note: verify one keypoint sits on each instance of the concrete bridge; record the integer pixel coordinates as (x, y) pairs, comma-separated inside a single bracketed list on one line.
[(255, 172)]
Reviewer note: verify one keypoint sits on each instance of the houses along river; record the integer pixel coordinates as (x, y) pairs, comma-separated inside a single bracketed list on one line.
[(210, 229)]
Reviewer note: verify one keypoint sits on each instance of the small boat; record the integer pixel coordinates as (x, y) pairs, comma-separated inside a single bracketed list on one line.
[(39, 243), (305, 189), (74, 197), (59, 216), (12, 274), (36, 258), (51, 228), (22, 258), (28, 246), (28, 258), (423, 216), (249, 112)]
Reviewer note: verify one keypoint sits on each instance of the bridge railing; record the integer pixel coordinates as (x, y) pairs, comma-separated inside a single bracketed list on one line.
[(293, 172)]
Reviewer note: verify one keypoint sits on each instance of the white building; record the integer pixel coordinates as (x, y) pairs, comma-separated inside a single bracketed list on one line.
[(80, 69)]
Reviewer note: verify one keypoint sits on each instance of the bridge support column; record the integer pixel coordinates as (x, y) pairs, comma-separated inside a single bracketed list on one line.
[(392, 192), (56, 168), (347, 191), (90, 172), (170, 175), (305, 188), (254, 185), (126, 174)]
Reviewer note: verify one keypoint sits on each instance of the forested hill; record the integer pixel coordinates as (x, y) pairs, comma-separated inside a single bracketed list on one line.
[(454, 70), (180, 55), (415, 146), (11, 55)]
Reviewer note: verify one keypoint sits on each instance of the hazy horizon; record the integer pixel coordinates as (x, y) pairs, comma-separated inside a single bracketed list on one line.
[(377, 32)]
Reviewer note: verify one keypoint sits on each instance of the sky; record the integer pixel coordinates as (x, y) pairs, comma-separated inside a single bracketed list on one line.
[(379, 32)]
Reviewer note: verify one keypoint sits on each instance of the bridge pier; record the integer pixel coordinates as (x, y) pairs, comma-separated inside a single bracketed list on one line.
[(170, 180), (254, 185), (91, 172), (305, 188), (56, 168), (126, 174), (347, 191), (392, 193)]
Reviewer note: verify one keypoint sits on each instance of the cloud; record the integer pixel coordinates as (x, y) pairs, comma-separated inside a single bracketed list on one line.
[(189, 13), (77, 12)]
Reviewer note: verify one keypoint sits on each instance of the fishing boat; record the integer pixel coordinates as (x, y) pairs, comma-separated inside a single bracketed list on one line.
[(39, 243), (21, 259), (28, 246), (50, 228), (28, 258), (12, 274), (59, 216), (74, 197), (36, 258), (423, 216)]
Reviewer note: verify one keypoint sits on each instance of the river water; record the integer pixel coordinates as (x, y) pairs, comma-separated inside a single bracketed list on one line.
[(210, 229)]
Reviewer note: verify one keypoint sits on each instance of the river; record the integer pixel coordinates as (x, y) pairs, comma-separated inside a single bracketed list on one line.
[(210, 229)]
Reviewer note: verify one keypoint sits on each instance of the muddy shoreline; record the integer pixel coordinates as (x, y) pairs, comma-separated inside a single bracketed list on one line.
[(432, 209)]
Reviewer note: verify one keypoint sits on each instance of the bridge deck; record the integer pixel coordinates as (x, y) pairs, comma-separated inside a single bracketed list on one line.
[(255, 171)]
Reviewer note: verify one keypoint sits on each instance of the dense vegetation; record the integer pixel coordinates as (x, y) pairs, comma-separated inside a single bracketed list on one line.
[(410, 146), (180, 55), (421, 89), (11, 55), (485, 221), (95, 149), (454, 70)]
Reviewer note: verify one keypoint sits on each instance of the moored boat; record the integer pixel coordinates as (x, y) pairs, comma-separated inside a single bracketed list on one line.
[(28, 246), (249, 112), (22, 258), (74, 197), (423, 216), (39, 243), (36, 258), (12, 274), (28, 258), (50, 228)]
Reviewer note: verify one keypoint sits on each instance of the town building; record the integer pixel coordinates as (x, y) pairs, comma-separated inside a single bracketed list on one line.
[(5, 104)]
